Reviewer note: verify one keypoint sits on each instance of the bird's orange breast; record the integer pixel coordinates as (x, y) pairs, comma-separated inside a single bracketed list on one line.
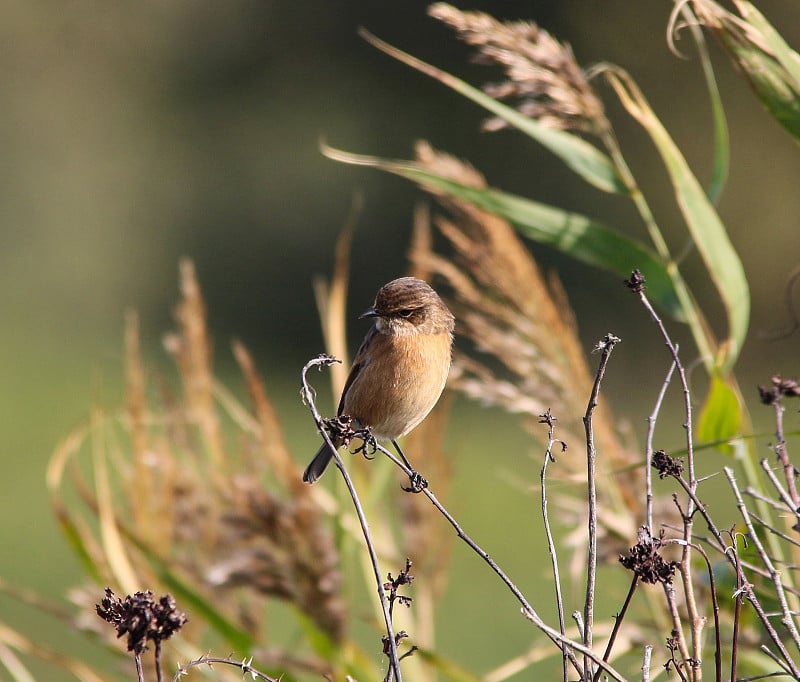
[(400, 381)]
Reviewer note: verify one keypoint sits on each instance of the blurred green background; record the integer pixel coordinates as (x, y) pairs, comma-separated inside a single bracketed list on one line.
[(133, 134)]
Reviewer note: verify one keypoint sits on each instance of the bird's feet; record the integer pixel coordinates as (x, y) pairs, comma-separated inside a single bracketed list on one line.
[(416, 483)]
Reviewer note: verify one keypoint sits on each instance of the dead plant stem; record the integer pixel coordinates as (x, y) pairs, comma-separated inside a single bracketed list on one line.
[(605, 346), (308, 398)]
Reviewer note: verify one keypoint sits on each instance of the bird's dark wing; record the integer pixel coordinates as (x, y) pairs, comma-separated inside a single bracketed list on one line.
[(358, 364)]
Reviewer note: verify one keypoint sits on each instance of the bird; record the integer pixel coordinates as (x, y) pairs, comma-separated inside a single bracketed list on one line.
[(401, 367)]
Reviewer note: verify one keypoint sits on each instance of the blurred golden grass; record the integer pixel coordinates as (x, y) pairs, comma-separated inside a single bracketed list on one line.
[(190, 490), (173, 502)]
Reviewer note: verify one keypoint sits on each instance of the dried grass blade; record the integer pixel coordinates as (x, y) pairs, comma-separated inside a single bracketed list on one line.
[(332, 301), (192, 349), (114, 548), (77, 535), (17, 641), (137, 416), (270, 432)]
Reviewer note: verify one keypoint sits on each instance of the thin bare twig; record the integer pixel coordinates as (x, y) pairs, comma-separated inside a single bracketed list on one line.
[(775, 576), (618, 623), (781, 664), (139, 668), (157, 656), (605, 346), (756, 495), (737, 607), (677, 628), (789, 470), (648, 655), (782, 492), (308, 398), (549, 419), (775, 531), (651, 427), (712, 586)]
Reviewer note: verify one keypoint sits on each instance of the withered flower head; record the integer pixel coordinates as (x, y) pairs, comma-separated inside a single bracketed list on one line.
[(645, 561), (666, 465), (789, 388), (543, 76), (142, 618)]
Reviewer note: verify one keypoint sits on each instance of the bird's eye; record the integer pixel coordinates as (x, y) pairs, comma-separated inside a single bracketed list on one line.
[(407, 312)]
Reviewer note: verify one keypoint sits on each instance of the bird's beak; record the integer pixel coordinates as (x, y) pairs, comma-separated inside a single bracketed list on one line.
[(369, 313)]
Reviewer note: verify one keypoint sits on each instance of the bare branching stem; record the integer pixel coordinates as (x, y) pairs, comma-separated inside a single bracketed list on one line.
[(788, 619), (308, 398), (695, 619), (605, 346), (745, 588), (564, 643)]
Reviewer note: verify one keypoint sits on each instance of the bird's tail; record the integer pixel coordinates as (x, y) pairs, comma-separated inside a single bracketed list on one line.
[(317, 466)]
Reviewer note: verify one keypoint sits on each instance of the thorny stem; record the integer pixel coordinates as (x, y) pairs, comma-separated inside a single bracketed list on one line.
[(606, 346), (308, 398), (244, 665), (549, 419), (775, 576)]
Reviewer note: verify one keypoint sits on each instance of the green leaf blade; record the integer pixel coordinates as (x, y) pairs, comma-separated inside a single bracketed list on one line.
[(579, 155), (576, 235), (705, 226), (721, 417)]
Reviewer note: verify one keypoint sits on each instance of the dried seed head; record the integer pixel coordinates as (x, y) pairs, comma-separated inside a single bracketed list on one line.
[(645, 561), (543, 76), (780, 388), (142, 618), (666, 465)]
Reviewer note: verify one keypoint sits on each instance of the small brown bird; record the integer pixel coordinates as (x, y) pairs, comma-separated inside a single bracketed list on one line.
[(401, 367)]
